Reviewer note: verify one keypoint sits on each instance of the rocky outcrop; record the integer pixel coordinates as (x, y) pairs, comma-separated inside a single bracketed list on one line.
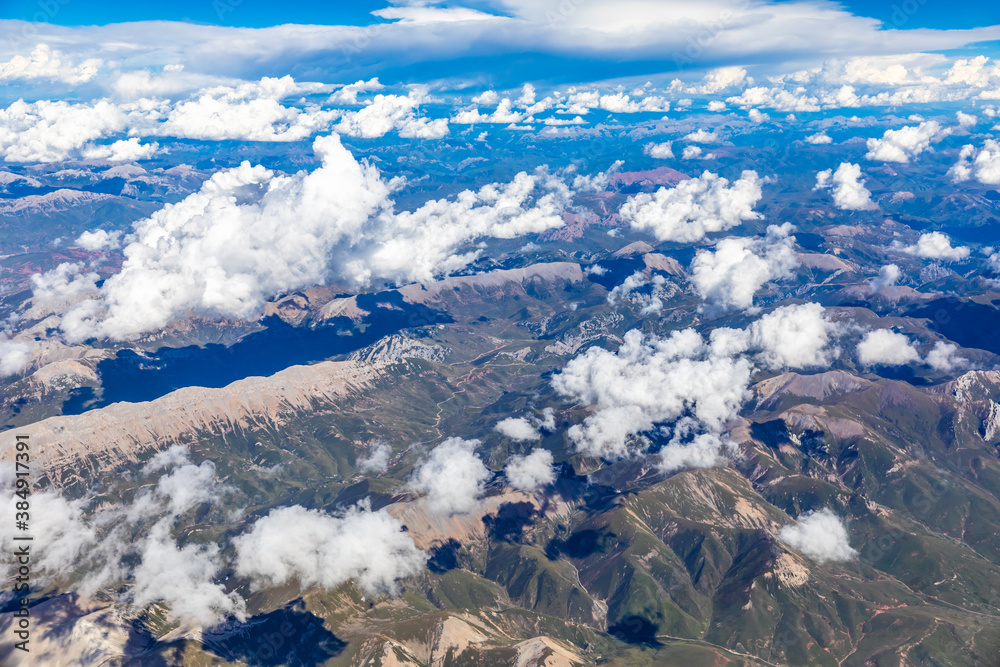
[(101, 439)]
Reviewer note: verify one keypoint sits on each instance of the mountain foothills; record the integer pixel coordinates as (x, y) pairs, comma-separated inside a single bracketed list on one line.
[(702, 373)]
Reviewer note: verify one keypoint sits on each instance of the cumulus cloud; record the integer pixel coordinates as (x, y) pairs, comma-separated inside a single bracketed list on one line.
[(386, 113), (728, 278), (888, 276), (527, 473), (504, 113), (47, 64), (649, 381), (123, 150), (705, 450), (695, 207), (714, 81), (650, 302), (935, 245), (183, 578), (99, 239), (452, 477), (886, 348), (250, 233), (692, 152), (849, 191), (518, 429), (251, 111), (819, 535), (794, 337), (14, 356), (906, 143), (702, 137), (775, 98), (348, 94), (47, 131), (313, 548), (660, 151), (622, 103), (944, 358), (819, 138), (53, 291), (132, 542), (982, 164), (377, 460)]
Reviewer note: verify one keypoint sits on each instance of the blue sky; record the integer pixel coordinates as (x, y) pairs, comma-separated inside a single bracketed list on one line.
[(491, 43), (907, 14)]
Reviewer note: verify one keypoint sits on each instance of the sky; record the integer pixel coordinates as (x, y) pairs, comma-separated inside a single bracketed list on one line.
[(262, 13), (491, 43)]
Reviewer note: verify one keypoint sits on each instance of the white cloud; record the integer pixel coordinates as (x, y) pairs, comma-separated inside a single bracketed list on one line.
[(695, 207), (14, 356), (452, 477), (728, 278), (249, 234), (715, 81), (377, 460), (123, 150), (716, 105), (705, 450), (349, 94), (794, 337), (974, 72), (183, 578), (905, 143), (518, 429), (649, 381), (982, 164), (132, 543), (818, 139), (53, 291), (849, 191), (775, 98), (691, 152), (886, 348), (486, 98), (944, 358), (966, 120), (100, 239), (757, 116), (888, 275), (386, 113), (47, 64), (702, 137), (504, 113), (313, 548), (820, 535), (248, 112), (52, 131), (935, 245), (660, 151), (621, 103), (527, 473)]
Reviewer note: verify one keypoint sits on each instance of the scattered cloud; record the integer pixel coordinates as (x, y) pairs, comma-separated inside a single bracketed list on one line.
[(981, 164), (944, 358), (377, 460), (935, 245), (886, 348), (452, 477), (314, 548), (819, 535), (849, 191), (527, 473), (728, 278), (694, 207)]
